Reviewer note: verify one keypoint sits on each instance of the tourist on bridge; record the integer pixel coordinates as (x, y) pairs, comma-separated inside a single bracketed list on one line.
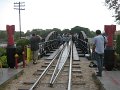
[(59, 38), (74, 37), (65, 38), (98, 49), (34, 44)]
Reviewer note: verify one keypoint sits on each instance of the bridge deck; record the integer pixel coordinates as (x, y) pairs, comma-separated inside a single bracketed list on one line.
[(52, 55), (7, 74), (75, 53), (110, 80)]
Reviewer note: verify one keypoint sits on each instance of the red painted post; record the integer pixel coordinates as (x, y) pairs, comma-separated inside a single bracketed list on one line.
[(110, 30), (109, 52), (10, 32), (16, 61), (11, 49), (23, 59)]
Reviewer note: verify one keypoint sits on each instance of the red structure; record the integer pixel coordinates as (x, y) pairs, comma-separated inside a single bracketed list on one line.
[(110, 30), (109, 51), (10, 47), (10, 32)]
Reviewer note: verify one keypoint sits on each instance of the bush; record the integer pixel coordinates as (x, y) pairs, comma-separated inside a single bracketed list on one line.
[(118, 44), (20, 44), (2, 51), (117, 55), (3, 61)]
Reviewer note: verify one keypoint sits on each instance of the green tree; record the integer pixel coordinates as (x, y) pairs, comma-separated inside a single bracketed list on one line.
[(28, 33), (3, 36), (66, 31), (114, 5), (57, 30), (78, 29), (118, 44)]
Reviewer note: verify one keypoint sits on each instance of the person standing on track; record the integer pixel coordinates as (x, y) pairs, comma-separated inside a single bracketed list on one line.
[(34, 44)]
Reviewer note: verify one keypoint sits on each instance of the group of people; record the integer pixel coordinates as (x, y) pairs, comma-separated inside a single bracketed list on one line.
[(63, 38), (35, 40), (98, 47), (66, 37)]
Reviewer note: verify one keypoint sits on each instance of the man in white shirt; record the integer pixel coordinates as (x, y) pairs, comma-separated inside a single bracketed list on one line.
[(98, 47)]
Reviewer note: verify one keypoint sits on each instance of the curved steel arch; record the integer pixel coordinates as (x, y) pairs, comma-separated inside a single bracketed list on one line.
[(82, 35), (51, 35)]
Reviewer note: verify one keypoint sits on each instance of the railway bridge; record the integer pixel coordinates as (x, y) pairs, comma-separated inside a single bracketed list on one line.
[(59, 68)]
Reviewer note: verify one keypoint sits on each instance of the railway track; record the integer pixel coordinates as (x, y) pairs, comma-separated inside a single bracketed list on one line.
[(63, 72)]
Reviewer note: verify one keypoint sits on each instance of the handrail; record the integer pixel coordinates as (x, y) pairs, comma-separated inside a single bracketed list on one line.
[(86, 47)]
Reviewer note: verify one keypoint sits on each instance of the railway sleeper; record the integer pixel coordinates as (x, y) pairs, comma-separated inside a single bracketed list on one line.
[(24, 87), (80, 82), (44, 66), (47, 88), (79, 51), (76, 63), (47, 63), (37, 73), (48, 54), (76, 66), (76, 60), (77, 75), (40, 70), (64, 65), (81, 55), (29, 82)]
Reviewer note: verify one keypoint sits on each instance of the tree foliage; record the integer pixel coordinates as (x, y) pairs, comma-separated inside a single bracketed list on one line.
[(78, 29), (44, 33), (65, 31), (118, 44), (3, 36), (114, 5)]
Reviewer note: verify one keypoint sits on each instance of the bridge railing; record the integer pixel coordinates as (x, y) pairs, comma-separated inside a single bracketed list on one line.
[(47, 46), (84, 46)]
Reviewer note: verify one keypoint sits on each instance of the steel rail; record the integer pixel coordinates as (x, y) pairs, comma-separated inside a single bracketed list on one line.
[(70, 68), (58, 72), (56, 67), (44, 72)]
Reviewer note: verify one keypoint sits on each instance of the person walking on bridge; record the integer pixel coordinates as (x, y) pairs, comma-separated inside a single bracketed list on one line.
[(59, 38), (34, 44), (98, 48)]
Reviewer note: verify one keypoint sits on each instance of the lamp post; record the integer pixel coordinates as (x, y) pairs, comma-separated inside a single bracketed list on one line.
[(19, 6)]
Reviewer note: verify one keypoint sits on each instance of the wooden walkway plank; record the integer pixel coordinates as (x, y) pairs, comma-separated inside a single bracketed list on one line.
[(52, 55), (75, 53)]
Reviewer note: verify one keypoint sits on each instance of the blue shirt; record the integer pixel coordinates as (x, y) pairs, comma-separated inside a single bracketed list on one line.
[(99, 42)]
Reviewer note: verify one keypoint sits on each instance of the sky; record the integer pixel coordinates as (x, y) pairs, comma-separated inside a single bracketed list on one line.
[(62, 14)]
